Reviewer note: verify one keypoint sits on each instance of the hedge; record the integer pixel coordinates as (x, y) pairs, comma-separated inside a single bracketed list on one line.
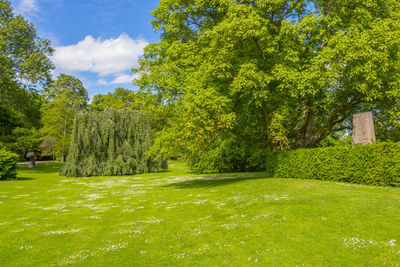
[(8, 165), (374, 164)]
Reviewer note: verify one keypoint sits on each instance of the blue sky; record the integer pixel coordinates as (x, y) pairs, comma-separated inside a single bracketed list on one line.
[(98, 41)]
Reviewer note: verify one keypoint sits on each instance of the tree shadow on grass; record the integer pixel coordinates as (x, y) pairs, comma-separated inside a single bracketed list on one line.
[(216, 180), (18, 179), (24, 179)]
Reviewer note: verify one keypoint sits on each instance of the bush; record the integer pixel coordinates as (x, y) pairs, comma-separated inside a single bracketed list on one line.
[(229, 154), (8, 165), (374, 164)]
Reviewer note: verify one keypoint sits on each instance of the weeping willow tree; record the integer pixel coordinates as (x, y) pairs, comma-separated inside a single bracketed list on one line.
[(111, 143)]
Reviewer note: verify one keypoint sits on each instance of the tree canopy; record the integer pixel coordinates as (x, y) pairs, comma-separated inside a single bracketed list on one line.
[(275, 73), (24, 64), (143, 100), (66, 96)]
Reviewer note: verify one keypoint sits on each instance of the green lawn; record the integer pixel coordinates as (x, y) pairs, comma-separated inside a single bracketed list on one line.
[(178, 218)]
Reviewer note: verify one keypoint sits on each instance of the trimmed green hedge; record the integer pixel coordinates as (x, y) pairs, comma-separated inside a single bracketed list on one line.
[(374, 164), (8, 165)]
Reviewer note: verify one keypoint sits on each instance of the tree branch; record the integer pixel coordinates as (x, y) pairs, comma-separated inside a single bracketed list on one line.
[(262, 54), (333, 118)]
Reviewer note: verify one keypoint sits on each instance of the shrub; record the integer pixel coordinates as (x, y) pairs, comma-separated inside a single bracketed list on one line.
[(374, 164), (8, 165), (229, 154)]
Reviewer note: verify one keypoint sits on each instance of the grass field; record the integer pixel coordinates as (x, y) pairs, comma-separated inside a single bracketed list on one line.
[(177, 218)]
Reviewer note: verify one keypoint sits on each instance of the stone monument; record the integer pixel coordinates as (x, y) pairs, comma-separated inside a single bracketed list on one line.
[(363, 129), (31, 156)]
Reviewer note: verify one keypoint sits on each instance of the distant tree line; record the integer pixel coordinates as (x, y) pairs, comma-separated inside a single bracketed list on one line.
[(37, 111), (228, 80)]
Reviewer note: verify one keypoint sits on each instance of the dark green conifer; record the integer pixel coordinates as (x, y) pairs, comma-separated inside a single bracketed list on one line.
[(111, 143)]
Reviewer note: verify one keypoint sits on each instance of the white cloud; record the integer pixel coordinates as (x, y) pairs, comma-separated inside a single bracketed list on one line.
[(118, 79), (123, 79), (102, 82), (27, 7), (104, 57)]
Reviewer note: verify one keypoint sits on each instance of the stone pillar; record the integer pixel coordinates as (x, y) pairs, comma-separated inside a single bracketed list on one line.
[(32, 162), (31, 156), (363, 129)]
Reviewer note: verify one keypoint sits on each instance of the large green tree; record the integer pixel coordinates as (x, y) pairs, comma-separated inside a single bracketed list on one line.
[(124, 98), (141, 100), (24, 64), (66, 97), (273, 73)]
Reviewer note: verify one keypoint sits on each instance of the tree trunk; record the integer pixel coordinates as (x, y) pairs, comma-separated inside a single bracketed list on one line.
[(306, 137), (64, 135), (308, 141)]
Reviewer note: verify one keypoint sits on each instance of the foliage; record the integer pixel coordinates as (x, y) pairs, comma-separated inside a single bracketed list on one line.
[(66, 97), (22, 112), (24, 64), (119, 99), (281, 73), (336, 139), (374, 164), (111, 143), (228, 154), (142, 100), (22, 141), (385, 128), (48, 147), (8, 165)]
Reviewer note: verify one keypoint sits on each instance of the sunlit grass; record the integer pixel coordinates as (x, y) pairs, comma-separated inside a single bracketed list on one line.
[(179, 218)]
